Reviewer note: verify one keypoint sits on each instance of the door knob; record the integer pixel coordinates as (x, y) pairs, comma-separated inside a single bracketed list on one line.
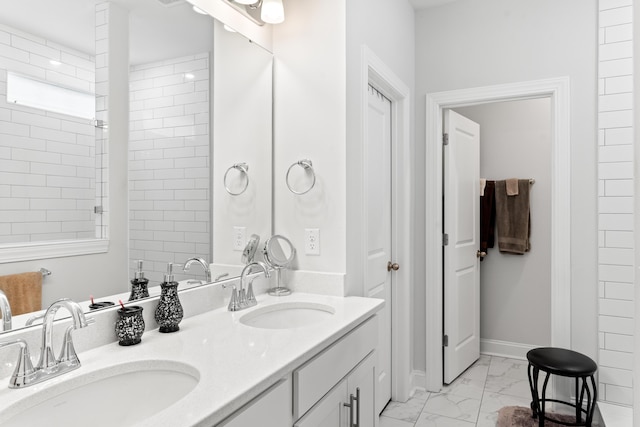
[(481, 254), (393, 266)]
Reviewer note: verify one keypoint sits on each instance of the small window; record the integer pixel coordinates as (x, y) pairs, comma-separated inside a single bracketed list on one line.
[(46, 96)]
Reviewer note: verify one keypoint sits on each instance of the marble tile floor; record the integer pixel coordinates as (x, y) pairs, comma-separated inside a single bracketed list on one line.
[(471, 400)]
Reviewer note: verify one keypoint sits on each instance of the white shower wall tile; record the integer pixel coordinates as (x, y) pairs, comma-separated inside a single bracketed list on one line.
[(615, 290), (617, 67), (619, 33), (618, 84), (615, 273), (615, 256), (615, 16), (53, 145), (613, 307), (616, 325), (164, 104), (618, 50), (618, 342)]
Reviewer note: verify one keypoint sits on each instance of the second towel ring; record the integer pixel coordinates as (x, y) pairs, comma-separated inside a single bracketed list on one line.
[(307, 165), (243, 168)]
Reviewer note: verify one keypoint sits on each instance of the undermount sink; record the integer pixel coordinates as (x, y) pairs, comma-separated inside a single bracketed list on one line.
[(287, 315), (122, 395)]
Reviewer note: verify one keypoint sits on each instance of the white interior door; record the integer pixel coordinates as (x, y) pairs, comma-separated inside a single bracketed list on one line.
[(378, 225), (462, 225)]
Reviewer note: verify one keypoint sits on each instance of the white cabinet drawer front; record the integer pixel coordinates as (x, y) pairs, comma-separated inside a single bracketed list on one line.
[(271, 409), (315, 378), (329, 412)]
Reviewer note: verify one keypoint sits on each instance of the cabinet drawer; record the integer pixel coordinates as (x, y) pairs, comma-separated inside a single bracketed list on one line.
[(316, 377)]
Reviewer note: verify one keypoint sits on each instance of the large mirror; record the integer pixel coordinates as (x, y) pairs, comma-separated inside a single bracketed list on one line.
[(200, 129)]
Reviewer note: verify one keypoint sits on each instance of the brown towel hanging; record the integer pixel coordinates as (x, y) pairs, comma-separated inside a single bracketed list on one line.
[(24, 291), (513, 218)]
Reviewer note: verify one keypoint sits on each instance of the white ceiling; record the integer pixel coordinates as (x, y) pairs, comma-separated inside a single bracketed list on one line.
[(424, 4), (156, 31)]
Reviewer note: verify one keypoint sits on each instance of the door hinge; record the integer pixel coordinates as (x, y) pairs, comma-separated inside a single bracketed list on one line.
[(98, 210), (445, 341), (445, 139), (445, 239)]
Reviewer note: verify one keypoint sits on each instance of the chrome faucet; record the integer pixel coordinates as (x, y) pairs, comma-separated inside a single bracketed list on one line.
[(48, 361), (200, 261), (250, 297), (244, 297), (48, 367), (5, 309)]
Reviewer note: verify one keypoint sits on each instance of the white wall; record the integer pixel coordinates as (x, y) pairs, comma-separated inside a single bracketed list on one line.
[(515, 290), (310, 123), (242, 132), (615, 207), (470, 44)]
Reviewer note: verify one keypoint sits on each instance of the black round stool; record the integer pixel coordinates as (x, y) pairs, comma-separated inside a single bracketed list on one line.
[(564, 363)]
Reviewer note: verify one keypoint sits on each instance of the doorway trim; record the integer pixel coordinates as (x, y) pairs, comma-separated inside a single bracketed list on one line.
[(375, 72), (558, 90)]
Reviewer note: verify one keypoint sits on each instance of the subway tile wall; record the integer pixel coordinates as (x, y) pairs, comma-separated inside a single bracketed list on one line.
[(102, 114), (169, 190), (615, 204), (47, 160)]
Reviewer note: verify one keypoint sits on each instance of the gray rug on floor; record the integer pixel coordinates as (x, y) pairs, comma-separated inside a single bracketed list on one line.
[(517, 416)]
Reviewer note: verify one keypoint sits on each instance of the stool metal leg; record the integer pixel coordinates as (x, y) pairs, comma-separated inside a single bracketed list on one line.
[(533, 385), (544, 398), (579, 403), (591, 410)]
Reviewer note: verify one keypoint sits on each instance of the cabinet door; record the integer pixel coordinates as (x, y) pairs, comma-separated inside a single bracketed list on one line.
[(330, 411), (361, 381), (271, 409)]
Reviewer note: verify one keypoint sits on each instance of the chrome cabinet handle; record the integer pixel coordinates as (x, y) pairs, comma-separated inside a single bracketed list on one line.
[(351, 406), (357, 399)]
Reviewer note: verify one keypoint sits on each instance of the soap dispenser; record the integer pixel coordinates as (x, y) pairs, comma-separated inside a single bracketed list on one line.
[(169, 312), (139, 288)]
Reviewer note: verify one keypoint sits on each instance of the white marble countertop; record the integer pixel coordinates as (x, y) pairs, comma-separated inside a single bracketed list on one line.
[(235, 362)]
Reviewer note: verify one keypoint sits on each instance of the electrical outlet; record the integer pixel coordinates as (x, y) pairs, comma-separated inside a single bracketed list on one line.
[(312, 241), (239, 238)]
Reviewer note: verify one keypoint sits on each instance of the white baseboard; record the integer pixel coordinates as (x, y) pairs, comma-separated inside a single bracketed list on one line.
[(417, 381), (512, 350)]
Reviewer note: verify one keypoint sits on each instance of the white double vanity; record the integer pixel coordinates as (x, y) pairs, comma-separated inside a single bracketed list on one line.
[(303, 360)]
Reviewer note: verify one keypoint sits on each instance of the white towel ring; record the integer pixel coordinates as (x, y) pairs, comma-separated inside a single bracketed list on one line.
[(307, 165), (243, 168)]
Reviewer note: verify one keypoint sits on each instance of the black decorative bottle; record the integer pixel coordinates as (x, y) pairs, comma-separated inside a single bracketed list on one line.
[(139, 284), (169, 312)]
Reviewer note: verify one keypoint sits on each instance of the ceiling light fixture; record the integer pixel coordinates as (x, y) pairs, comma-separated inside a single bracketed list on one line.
[(272, 11)]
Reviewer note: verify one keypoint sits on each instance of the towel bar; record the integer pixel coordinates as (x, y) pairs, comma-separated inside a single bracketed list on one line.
[(45, 272)]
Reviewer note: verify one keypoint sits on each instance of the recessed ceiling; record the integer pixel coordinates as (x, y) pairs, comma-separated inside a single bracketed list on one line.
[(425, 4)]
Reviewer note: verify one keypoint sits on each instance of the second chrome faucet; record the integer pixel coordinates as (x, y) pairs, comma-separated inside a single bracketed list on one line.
[(244, 297)]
